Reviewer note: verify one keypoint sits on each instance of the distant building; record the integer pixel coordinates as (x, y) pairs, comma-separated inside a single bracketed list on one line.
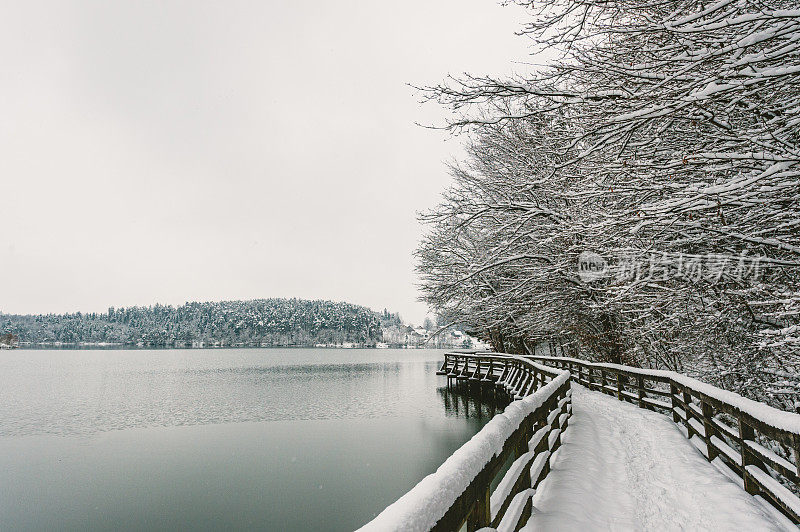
[(419, 337), (9, 341)]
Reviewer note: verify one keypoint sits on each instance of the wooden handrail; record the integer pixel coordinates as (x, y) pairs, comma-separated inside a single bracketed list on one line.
[(527, 432), (703, 413)]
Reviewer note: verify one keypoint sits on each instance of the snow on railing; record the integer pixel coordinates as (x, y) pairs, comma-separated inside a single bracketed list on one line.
[(746, 439), (528, 431)]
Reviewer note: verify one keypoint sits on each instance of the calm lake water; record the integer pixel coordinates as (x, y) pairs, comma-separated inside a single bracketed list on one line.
[(270, 439)]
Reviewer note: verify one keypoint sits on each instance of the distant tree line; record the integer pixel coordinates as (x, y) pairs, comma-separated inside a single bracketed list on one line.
[(256, 322)]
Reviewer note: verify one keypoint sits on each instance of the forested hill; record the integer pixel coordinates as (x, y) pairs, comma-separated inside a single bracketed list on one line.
[(250, 323)]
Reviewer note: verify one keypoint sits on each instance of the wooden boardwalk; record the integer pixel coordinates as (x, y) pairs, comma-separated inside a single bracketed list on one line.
[(667, 452), (625, 468)]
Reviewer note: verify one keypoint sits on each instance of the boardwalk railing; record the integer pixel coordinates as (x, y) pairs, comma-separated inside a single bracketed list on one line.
[(754, 442), (525, 434)]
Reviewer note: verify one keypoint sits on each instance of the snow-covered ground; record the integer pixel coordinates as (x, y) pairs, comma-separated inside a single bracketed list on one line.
[(625, 468)]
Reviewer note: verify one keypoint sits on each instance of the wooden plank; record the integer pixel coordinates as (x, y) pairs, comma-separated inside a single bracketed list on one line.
[(654, 391), (628, 396), (723, 428), (656, 403), (778, 463), (697, 428), (779, 495), (727, 453), (697, 410)]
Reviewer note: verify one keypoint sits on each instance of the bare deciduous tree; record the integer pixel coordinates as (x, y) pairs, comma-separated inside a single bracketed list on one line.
[(665, 137)]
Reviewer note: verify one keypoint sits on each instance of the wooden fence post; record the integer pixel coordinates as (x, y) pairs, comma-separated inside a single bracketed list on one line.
[(522, 445), (673, 391), (710, 429), (687, 402), (480, 516), (526, 383), (747, 433), (442, 370), (796, 448), (640, 390)]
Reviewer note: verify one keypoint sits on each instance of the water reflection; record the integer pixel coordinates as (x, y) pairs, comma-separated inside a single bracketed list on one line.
[(470, 399), (85, 392), (225, 439)]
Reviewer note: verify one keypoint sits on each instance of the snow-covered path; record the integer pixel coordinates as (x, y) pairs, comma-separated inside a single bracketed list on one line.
[(625, 468)]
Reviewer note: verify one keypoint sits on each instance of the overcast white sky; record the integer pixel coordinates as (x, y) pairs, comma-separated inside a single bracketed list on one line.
[(173, 151)]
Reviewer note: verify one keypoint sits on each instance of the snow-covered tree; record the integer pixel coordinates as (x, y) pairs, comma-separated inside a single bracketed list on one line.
[(665, 138)]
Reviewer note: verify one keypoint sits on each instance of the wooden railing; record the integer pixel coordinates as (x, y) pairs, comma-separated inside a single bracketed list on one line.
[(524, 435), (757, 443)]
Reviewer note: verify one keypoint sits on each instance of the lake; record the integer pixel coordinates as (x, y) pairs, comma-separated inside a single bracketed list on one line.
[(270, 439)]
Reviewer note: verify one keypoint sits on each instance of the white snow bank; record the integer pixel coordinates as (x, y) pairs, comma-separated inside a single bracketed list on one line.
[(428, 501)]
